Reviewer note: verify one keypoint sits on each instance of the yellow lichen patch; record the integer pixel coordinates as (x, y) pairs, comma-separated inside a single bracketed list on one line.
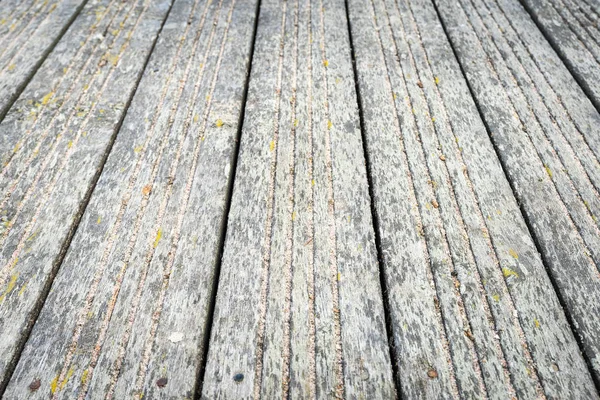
[(113, 59), (137, 149), (513, 253), (46, 98), (296, 122), (158, 236), (294, 215), (54, 385), (312, 182), (326, 63), (394, 95), (329, 125), (70, 144), (17, 147), (272, 145), (437, 80), (536, 323), (507, 272), (11, 285), (84, 377), (12, 67), (496, 297), (81, 114), (432, 119), (196, 118), (339, 276), (548, 171), (69, 375), (99, 219), (22, 290), (219, 123)]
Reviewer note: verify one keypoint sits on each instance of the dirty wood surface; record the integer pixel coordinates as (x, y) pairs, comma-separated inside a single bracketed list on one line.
[(53, 144), (483, 313), (140, 270), (572, 28), (362, 199), (546, 133), (299, 311), (28, 31)]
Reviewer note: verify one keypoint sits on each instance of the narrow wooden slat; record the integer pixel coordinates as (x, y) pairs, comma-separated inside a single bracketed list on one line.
[(546, 133), (299, 310), (572, 29), (473, 311), (54, 141), (28, 31), (128, 310)]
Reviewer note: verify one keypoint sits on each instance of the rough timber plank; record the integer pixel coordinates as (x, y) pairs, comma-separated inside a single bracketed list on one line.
[(299, 311), (469, 296), (546, 133), (28, 31), (53, 142), (130, 303), (571, 26)]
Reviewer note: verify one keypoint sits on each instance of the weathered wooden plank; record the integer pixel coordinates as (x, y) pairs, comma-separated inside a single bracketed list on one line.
[(28, 31), (546, 133), (53, 143), (299, 311), (572, 29), (473, 301), (130, 304)]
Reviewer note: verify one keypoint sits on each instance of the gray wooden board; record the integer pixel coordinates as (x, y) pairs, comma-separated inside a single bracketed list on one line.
[(546, 133), (299, 311), (28, 31), (53, 142), (469, 296), (130, 303), (572, 28)]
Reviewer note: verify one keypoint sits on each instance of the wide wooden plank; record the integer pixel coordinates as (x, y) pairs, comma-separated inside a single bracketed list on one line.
[(53, 143), (128, 310), (546, 133), (28, 31), (473, 311), (299, 312), (572, 29)]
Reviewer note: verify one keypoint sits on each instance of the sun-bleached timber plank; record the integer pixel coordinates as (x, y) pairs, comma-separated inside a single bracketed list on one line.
[(545, 131), (572, 27), (299, 311), (53, 143), (128, 310), (473, 311), (29, 30)]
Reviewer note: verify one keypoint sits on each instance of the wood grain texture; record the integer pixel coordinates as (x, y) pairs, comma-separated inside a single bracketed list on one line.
[(546, 133), (471, 300), (53, 143), (28, 31), (572, 29), (299, 310), (128, 310)]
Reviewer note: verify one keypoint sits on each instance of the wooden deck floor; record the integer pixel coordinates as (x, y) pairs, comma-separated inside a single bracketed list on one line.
[(361, 199)]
